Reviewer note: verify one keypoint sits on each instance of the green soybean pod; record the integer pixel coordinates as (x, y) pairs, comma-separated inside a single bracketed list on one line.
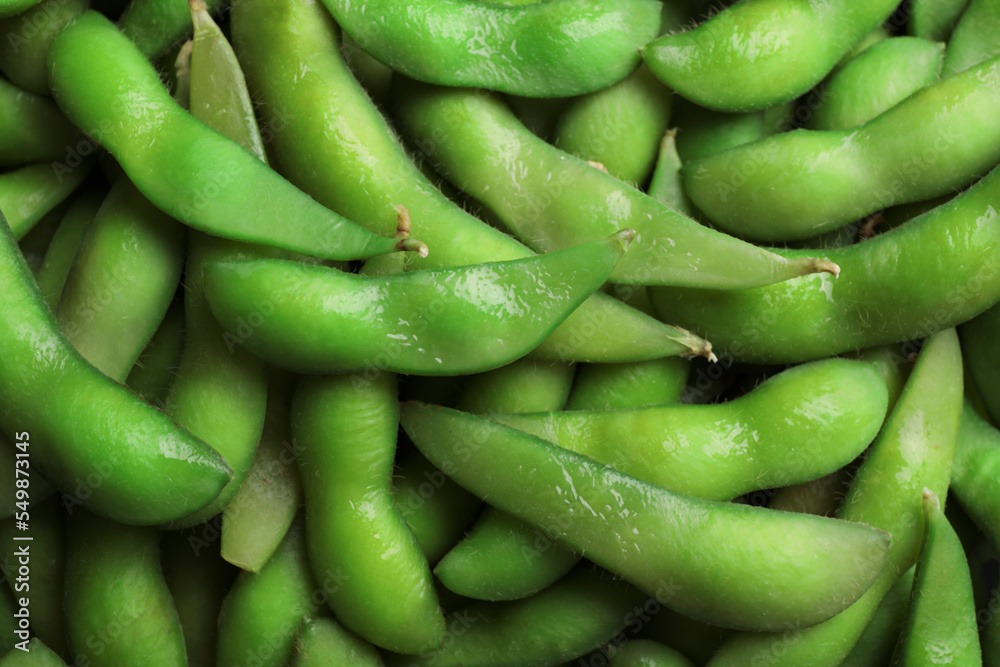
[(632, 385), (541, 49), (128, 237), (25, 41), (157, 25), (618, 126), (262, 612), (876, 644), (65, 243), (941, 621), (304, 317), (198, 581), (13, 7), (665, 185), (871, 83), (32, 128), (887, 493), (37, 654), (878, 300), (981, 356), (346, 428), (757, 54), (799, 425), (553, 200), (977, 458), (819, 496), (34, 567), (775, 190), (118, 608), (220, 392), (330, 140), (322, 642), (646, 653), (28, 193), (650, 536), (580, 612), (435, 508), (502, 558), (974, 38), (259, 515), (129, 460), (934, 19), (212, 184)]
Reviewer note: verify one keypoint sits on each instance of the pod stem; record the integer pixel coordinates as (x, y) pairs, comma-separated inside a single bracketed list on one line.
[(403, 241)]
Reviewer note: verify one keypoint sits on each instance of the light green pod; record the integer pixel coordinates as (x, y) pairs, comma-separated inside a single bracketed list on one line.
[(934, 19), (262, 612), (880, 77), (552, 200), (940, 625), (760, 53), (345, 427), (974, 38), (578, 613), (665, 185), (799, 425), (118, 608), (32, 128), (154, 370), (157, 25), (436, 509), (776, 189), (541, 49), (36, 655), (653, 537), (640, 383), (876, 644), (65, 243), (105, 311), (305, 317), (702, 132), (974, 481), (323, 643), (28, 193), (619, 126), (259, 515), (982, 357), (25, 41), (913, 451)]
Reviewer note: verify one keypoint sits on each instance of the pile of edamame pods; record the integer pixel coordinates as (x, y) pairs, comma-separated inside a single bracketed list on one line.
[(508, 333)]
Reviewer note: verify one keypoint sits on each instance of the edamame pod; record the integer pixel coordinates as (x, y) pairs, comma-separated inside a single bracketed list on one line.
[(345, 426), (878, 300), (934, 19), (878, 641), (329, 139), (760, 53), (552, 200), (28, 193), (306, 317), (12, 7), (974, 38), (651, 536), (913, 451), (154, 370), (126, 461), (580, 612), (702, 132), (118, 608), (939, 139), (882, 76), (646, 653), (974, 474), (105, 85), (25, 41), (665, 185), (941, 622), (555, 48), (322, 643), (32, 128), (156, 25), (799, 425), (36, 655), (65, 243), (982, 357), (106, 313)]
